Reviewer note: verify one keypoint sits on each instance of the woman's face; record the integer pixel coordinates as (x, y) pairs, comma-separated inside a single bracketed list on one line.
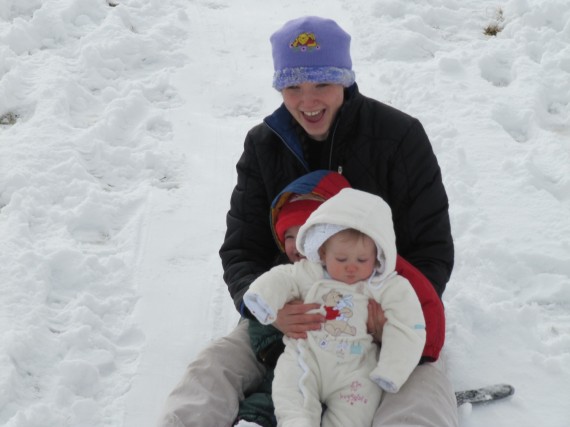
[(314, 106)]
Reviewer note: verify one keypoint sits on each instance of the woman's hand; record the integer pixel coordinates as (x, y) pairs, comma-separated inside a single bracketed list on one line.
[(376, 320), (294, 321)]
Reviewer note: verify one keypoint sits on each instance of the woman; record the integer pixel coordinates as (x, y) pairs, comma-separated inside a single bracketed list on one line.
[(324, 123)]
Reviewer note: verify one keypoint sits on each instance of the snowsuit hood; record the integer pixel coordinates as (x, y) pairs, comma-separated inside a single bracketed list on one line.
[(359, 210)]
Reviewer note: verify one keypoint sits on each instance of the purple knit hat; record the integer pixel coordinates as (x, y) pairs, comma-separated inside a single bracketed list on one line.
[(311, 49)]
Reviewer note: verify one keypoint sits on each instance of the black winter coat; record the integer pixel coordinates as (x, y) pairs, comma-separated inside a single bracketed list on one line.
[(378, 149)]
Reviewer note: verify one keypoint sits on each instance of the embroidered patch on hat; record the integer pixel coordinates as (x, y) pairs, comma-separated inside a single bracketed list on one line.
[(305, 42)]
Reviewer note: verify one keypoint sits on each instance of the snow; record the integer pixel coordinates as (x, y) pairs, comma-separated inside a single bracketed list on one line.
[(120, 127)]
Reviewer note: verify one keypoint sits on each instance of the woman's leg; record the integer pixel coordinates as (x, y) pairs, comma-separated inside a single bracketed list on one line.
[(427, 399), (214, 383)]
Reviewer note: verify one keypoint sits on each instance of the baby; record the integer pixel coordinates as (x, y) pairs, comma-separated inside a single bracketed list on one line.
[(349, 243)]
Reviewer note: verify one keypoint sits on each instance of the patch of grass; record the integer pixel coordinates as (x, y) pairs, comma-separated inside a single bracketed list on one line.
[(492, 29), (8, 119), (497, 25)]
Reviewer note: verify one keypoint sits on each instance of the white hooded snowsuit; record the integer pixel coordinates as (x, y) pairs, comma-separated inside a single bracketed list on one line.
[(339, 364)]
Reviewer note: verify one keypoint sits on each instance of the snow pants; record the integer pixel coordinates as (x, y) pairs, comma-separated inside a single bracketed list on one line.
[(226, 370), (214, 383)]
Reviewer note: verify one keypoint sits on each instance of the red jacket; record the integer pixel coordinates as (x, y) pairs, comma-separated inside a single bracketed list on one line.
[(326, 184), (431, 305)]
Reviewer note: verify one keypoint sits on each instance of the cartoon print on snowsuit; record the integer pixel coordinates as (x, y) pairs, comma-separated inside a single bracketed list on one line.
[(338, 311)]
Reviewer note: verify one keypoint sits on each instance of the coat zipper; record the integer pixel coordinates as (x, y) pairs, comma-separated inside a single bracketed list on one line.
[(339, 168)]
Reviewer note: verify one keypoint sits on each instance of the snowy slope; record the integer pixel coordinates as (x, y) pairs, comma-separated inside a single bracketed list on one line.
[(120, 127)]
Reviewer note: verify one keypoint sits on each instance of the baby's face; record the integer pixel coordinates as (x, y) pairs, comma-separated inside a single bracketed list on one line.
[(349, 260), (290, 246)]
